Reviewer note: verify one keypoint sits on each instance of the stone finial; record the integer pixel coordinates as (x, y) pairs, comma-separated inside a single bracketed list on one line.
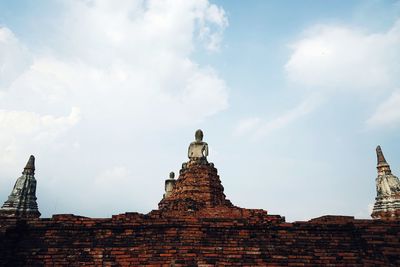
[(30, 166), (382, 165), (380, 157), (22, 200), (198, 150), (171, 175)]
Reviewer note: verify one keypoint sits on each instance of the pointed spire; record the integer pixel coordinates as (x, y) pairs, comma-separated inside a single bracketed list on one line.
[(30, 166), (380, 156), (382, 166)]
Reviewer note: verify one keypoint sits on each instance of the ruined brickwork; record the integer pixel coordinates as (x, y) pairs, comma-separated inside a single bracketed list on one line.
[(138, 240), (196, 225), (198, 187)]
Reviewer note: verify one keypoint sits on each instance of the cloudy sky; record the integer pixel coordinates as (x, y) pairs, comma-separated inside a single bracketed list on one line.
[(293, 97)]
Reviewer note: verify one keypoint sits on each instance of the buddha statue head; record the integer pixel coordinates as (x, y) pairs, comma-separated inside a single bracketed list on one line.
[(198, 136)]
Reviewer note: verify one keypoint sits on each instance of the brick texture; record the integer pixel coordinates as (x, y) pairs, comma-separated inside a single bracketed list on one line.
[(197, 226), (134, 239)]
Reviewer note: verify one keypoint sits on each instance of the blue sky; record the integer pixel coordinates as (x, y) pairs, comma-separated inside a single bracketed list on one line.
[(293, 98)]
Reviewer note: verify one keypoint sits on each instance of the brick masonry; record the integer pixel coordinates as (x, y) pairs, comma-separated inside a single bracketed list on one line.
[(197, 226), (134, 239)]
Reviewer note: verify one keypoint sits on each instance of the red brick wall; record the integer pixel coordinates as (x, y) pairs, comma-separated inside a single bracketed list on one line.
[(197, 226), (195, 239)]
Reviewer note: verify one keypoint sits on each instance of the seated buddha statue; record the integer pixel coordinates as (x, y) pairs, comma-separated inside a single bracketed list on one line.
[(198, 150)]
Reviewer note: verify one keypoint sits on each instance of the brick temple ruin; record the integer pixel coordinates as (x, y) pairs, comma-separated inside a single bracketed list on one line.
[(196, 225)]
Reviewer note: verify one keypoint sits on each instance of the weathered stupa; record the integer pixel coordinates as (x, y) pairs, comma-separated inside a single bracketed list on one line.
[(22, 200), (387, 201)]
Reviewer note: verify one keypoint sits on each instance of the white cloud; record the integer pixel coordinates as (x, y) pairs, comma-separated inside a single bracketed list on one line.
[(23, 122), (246, 126), (14, 57), (128, 67), (342, 58), (126, 61), (20, 127), (131, 27), (387, 114), (258, 128), (132, 59), (212, 36)]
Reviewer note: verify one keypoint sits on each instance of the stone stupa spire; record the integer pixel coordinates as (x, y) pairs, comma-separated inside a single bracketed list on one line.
[(22, 200), (30, 166), (382, 165), (387, 201)]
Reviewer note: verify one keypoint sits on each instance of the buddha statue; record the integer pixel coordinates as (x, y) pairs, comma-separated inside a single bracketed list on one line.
[(198, 150), (169, 185)]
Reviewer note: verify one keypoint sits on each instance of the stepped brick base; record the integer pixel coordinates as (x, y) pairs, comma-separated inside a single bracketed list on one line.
[(197, 187)]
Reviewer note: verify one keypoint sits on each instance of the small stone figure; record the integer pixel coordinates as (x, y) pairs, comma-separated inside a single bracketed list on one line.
[(22, 200), (198, 150), (169, 185)]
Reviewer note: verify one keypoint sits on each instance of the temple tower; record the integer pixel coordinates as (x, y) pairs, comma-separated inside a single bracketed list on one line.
[(198, 185), (387, 201), (22, 200)]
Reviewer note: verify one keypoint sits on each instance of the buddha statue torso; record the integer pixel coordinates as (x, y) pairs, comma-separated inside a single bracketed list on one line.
[(198, 150)]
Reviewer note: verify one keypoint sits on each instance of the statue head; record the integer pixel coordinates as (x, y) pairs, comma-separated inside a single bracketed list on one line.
[(199, 135), (171, 175)]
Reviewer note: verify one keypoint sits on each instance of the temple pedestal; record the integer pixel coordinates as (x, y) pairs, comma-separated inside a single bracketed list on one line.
[(197, 187)]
